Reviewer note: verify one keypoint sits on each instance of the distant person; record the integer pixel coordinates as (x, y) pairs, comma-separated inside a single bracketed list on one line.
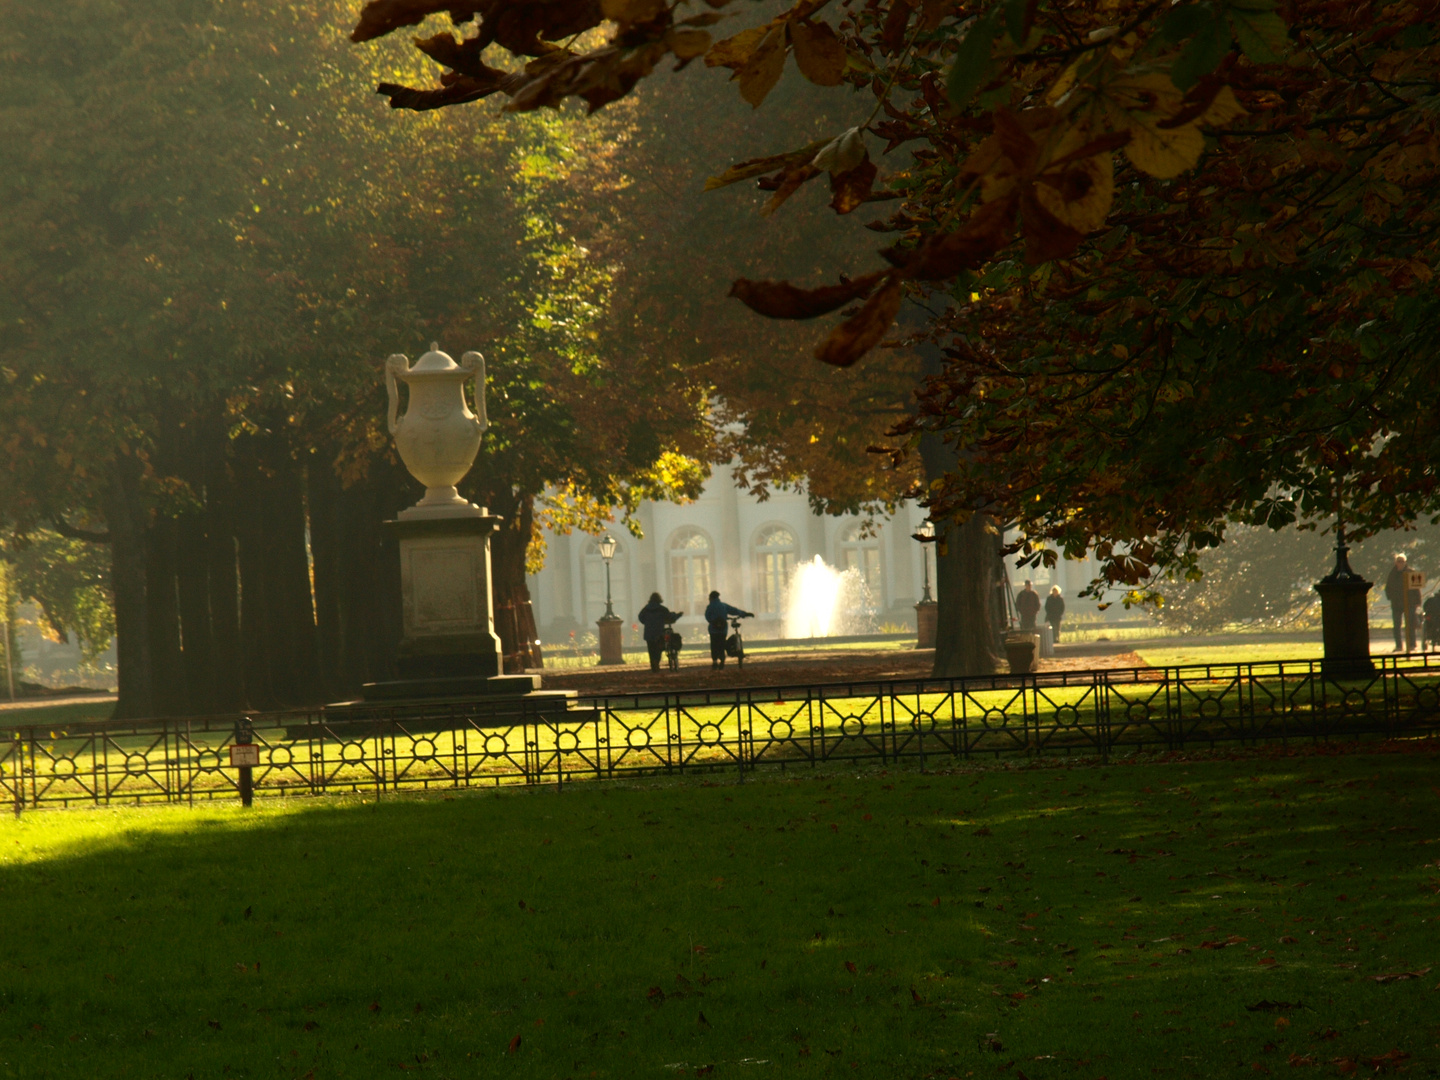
[(1054, 611), (716, 614), (1027, 606), (1432, 621), (656, 617), (1401, 597)]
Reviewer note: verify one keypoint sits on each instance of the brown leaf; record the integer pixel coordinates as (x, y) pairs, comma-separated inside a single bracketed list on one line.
[(897, 20), (687, 44), (1015, 140), (942, 257), (1400, 976), (851, 188), (735, 52), (514, 1044), (790, 182), (859, 334), (379, 17), (744, 170), (762, 70), (781, 300), (1046, 236), (819, 52), (632, 11), (850, 966)]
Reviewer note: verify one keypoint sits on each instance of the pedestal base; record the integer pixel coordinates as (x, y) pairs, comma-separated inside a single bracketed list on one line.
[(1345, 625), (927, 613), (612, 646)]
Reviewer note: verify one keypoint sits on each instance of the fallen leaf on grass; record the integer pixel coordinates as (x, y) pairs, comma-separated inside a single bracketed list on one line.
[(850, 967), (1296, 1060), (1398, 976), (514, 1044)]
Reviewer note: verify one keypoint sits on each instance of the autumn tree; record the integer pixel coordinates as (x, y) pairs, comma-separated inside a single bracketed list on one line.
[(1178, 256)]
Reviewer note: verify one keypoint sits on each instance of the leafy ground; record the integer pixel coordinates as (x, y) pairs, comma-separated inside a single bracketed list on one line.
[(1183, 918)]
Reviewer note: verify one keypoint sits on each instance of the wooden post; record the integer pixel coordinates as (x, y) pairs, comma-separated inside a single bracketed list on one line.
[(245, 755)]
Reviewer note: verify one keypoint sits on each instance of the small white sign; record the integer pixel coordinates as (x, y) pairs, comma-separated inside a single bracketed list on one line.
[(243, 755), (1415, 579)]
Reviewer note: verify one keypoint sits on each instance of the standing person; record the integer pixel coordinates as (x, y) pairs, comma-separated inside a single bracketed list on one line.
[(1054, 611), (1401, 600), (656, 617), (1432, 620), (716, 614), (1027, 606)]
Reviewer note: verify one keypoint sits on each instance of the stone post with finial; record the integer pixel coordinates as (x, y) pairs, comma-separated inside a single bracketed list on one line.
[(1344, 616)]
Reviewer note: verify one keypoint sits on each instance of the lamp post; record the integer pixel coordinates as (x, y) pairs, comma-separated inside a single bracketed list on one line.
[(927, 610), (611, 646)]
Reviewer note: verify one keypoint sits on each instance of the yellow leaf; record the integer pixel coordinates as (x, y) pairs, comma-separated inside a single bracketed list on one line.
[(1139, 104), (687, 44), (631, 11), (734, 52)]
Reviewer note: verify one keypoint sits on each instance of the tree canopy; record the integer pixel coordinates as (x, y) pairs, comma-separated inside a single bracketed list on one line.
[(1179, 256)]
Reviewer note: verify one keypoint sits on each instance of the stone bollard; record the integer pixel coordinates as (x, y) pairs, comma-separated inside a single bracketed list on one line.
[(612, 646), (926, 614)]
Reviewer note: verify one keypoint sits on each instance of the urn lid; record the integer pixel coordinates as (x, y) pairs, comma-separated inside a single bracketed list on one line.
[(434, 361)]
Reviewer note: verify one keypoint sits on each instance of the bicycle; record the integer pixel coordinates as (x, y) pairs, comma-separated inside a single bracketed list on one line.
[(735, 644)]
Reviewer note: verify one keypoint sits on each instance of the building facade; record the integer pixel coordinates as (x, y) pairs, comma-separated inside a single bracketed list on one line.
[(748, 550)]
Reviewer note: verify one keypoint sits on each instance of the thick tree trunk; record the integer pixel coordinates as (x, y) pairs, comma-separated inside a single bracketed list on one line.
[(327, 551), (192, 580), (514, 617), (228, 673), (125, 520), (167, 671), (967, 569)]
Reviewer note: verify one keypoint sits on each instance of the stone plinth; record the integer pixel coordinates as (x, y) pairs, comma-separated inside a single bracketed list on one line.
[(1345, 626), (449, 618), (612, 646)]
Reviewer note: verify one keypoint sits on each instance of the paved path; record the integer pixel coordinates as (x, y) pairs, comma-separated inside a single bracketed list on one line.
[(45, 702)]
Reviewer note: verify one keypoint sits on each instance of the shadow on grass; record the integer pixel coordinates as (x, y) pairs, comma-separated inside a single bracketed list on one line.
[(1060, 921)]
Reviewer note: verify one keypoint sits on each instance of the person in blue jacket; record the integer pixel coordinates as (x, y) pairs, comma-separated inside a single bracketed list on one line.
[(716, 614)]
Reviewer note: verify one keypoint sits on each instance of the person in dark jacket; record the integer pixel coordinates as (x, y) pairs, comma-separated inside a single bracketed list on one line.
[(716, 614), (1399, 596), (1027, 606), (655, 617), (1432, 621), (1054, 611)]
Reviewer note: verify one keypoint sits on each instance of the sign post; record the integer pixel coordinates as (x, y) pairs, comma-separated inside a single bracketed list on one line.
[(1414, 582), (245, 755)]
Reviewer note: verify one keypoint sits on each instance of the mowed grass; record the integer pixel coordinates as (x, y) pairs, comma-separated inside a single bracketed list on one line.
[(1062, 920)]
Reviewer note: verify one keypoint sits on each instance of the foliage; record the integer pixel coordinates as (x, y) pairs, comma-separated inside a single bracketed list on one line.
[(754, 922), (1180, 254), (70, 581)]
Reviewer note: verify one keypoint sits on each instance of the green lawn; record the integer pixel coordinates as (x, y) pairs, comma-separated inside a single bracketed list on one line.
[(1074, 921)]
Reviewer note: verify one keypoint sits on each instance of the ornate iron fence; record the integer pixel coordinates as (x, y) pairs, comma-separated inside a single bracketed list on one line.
[(474, 743)]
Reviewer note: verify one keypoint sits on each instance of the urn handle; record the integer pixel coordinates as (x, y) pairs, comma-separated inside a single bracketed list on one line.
[(397, 364), (473, 363)]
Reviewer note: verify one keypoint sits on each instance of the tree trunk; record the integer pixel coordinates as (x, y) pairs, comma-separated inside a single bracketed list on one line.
[(167, 670), (125, 519), (967, 569), (514, 617), (228, 676), (327, 551), (192, 580)]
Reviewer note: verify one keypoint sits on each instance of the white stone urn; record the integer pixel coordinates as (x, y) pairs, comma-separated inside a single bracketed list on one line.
[(438, 437)]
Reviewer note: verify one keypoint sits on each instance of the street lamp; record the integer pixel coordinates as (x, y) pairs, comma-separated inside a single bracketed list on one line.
[(607, 552), (612, 649), (925, 534)]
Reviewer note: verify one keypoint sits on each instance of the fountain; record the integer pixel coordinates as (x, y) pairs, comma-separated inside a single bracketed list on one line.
[(826, 602)]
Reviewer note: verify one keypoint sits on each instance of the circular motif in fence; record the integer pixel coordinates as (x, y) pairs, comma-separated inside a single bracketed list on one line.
[(352, 753), (567, 742), (924, 723), (1427, 698), (136, 764), (1137, 712), (1066, 715), (996, 717), (852, 726), (781, 729), (281, 757), (638, 738), (709, 734), (1354, 701), (63, 768), (207, 760), (496, 744), (1211, 708), (422, 749)]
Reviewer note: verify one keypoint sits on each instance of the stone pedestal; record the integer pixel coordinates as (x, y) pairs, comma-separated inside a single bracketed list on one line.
[(927, 613), (1022, 651), (612, 645)]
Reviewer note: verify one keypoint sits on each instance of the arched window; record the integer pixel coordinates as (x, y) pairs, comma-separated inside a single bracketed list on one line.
[(861, 553), (690, 562), (774, 563), (592, 571)]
